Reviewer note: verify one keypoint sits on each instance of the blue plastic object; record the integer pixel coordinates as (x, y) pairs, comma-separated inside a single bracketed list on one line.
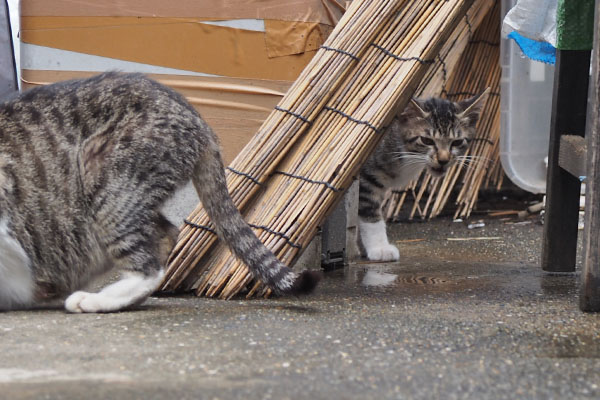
[(538, 51)]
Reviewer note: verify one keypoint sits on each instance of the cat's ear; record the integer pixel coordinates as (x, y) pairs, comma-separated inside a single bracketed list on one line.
[(415, 109), (472, 108)]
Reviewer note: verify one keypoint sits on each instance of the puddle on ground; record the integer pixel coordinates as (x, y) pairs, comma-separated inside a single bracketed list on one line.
[(579, 346), (413, 276), (374, 278), (560, 284), (394, 278)]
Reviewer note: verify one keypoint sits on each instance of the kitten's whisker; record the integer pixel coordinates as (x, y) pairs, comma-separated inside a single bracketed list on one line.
[(462, 165), (414, 161), (412, 158), (407, 156), (410, 162), (467, 161), (405, 152), (473, 159), (414, 165)]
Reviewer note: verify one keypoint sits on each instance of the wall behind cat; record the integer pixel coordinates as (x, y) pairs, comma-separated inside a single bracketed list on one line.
[(233, 60)]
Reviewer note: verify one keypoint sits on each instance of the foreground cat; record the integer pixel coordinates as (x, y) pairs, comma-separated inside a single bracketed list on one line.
[(429, 134), (85, 166)]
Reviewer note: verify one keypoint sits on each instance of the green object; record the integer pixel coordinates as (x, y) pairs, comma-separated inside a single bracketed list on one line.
[(575, 24)]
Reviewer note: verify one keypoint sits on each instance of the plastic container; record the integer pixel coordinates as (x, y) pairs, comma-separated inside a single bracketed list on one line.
[(525, 108)]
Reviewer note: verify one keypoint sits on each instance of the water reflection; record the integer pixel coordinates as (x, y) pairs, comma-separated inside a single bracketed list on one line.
[(378, 279), (409, 278)]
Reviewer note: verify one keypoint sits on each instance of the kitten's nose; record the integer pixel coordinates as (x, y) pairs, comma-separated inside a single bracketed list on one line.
[(443, 158)]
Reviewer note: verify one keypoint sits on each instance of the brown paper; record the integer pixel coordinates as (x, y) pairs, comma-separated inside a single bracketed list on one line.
[(181, 43), (283, 38), (321, 11)]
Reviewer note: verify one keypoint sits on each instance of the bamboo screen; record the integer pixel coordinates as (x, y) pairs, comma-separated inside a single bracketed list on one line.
[(310, 148)]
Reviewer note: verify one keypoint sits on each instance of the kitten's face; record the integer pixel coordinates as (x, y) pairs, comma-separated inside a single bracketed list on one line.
[(437, 132)]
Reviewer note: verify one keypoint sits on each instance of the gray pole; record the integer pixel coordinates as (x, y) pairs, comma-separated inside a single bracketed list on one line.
[(8, 71)]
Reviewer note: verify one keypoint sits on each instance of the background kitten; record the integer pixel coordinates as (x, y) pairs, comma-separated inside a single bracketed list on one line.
[(430, 134), (85, 166)]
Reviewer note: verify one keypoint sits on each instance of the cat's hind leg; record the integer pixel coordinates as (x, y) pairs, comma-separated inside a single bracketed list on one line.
[(132, 289), (136, 254), (168, 234)]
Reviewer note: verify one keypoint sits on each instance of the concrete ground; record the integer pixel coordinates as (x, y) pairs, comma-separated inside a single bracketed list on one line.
[(455, 319)]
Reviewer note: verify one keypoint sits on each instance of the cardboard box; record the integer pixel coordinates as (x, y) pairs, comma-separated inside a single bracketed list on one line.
[(233, 60)]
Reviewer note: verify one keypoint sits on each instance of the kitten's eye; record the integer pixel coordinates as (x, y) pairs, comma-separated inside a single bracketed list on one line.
[(427, 141), (459, 142)]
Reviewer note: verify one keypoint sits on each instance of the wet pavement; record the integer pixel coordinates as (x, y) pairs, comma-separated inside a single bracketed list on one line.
[(468, 318)]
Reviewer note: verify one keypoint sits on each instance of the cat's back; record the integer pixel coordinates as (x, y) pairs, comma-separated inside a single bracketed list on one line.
[(39, 141), (128, 111), (83, 105)]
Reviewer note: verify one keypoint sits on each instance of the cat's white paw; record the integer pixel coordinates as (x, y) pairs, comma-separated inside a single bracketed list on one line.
[(83, 302), (131, 290), (384, 252)]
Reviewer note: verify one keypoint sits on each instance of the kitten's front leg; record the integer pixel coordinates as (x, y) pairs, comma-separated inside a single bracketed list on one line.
[(375, 241), (371, 225)]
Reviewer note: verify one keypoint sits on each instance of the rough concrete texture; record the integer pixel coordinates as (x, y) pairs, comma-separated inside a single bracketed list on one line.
[(453, 320)]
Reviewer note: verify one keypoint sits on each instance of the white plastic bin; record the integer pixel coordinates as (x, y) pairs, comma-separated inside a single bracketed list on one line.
[(525, 108)]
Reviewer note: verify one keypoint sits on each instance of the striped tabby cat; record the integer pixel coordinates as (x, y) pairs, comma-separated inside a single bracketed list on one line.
[(85, 166), (429, 134)]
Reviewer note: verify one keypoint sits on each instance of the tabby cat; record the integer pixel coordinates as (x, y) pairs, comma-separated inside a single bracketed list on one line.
[(85, 166), (428, 134)]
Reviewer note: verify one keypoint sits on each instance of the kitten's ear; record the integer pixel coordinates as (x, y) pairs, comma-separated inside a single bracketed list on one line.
[(415, 109), (472, 108)]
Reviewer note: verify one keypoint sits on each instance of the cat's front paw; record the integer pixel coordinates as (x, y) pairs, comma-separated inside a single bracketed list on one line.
[(384, 252), (83, 302)]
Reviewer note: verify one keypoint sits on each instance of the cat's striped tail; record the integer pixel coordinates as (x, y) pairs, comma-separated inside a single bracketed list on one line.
[(209, 180)]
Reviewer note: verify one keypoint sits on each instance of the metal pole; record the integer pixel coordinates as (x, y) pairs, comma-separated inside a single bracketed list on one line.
[(8, 71)]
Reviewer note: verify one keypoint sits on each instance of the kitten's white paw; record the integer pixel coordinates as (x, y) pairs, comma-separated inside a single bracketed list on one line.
[(83, 302), (375, 242), (384, 252)]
